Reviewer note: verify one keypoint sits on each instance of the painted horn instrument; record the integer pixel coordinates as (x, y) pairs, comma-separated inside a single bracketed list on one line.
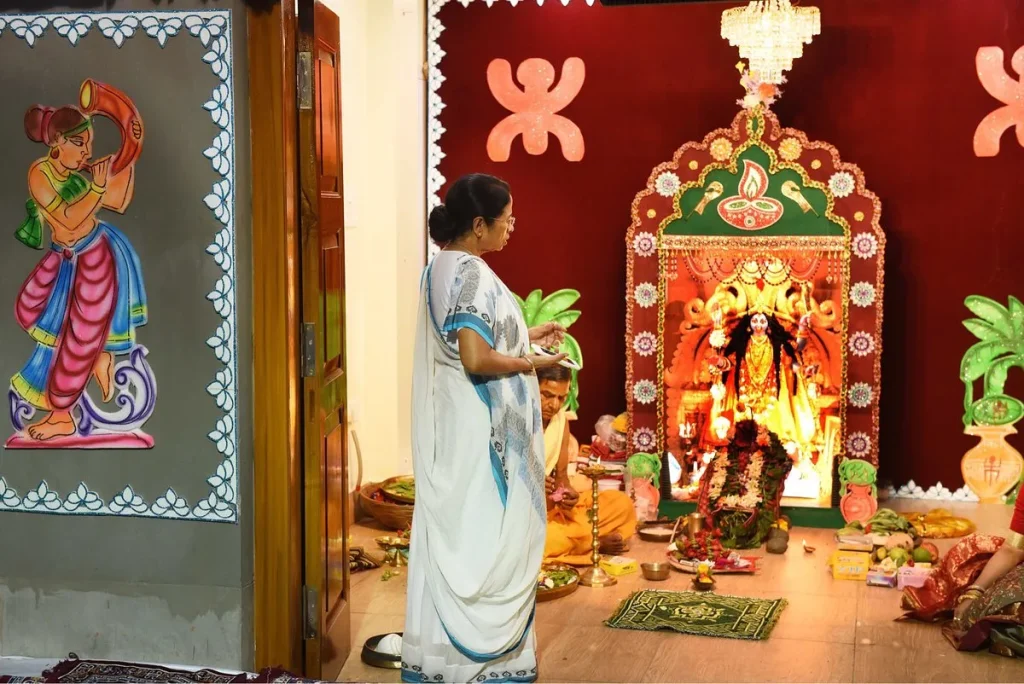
[(105, 100)]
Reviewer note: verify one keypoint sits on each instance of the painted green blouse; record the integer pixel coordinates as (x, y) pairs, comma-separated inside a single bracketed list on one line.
[(70, 190)]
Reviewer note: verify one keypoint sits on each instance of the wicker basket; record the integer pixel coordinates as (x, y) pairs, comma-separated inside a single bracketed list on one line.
[(391, 515)]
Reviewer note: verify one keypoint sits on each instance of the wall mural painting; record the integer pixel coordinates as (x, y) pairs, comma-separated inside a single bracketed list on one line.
[(84, 301), (87, 384)]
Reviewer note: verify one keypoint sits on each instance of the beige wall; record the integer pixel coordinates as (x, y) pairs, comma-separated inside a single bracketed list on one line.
[(384, 138)]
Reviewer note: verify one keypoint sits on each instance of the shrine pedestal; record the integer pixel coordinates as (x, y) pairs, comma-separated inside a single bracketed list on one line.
[(806, 515)]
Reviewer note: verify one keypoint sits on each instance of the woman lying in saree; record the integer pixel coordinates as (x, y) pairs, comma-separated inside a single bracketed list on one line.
[(980, 583)]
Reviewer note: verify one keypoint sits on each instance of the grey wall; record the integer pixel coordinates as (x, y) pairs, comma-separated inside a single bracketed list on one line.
[(169, 591)]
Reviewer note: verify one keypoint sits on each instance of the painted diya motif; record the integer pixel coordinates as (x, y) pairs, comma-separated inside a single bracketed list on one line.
[(751, 210)]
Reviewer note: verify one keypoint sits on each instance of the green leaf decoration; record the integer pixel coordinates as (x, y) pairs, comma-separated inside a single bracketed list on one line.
[(983, 330), (995, 376), (538, 310), (978, 358), (1000, 330), (566, 318), (1017, 317), (999, 409), (530, 308), (991, 311), (554, 304), (571, 348)]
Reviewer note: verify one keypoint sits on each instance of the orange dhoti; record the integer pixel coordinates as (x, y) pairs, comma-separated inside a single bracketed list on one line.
[(570, 539)]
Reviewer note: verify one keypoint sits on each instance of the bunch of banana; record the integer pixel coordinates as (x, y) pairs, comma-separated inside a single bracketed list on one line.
[(887, 521)]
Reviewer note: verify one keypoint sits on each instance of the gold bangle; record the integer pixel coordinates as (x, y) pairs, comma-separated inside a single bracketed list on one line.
[(969, 595), (97, 189), (533, 369), (1015, 540)]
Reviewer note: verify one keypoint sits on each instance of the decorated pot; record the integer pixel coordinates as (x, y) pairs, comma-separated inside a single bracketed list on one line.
[(992, 468), (858, 504)]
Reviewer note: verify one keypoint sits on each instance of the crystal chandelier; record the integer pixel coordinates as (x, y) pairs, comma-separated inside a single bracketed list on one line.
[(770, 34)]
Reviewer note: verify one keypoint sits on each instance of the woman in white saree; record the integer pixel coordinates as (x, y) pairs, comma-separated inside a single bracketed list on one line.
[(478, 456)]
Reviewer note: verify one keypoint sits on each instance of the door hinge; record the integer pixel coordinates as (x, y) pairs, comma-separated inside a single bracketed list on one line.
[(310, 613), (304, 80), (308, 350)]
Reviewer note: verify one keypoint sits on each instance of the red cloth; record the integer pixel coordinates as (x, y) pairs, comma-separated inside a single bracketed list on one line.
[(958, 570), (1017, 522), (859, 86)]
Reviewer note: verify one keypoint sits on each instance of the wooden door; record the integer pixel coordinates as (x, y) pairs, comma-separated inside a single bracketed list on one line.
[(322, 255)]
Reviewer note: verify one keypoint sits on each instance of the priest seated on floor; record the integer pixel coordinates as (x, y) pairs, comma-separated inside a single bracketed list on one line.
[(570, 538)]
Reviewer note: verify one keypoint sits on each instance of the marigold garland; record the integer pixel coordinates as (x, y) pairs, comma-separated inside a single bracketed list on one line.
[(741, 489)]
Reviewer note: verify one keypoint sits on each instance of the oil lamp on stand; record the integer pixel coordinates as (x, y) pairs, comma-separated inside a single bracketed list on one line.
[(595, 576)]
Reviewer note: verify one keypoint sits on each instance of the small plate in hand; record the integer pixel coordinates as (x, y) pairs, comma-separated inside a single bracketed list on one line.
[(565, 363)]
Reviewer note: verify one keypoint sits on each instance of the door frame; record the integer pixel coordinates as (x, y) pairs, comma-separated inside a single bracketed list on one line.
[(277, 447)]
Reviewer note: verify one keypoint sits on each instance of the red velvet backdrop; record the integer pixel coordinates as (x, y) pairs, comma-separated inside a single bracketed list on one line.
[(891, 83)]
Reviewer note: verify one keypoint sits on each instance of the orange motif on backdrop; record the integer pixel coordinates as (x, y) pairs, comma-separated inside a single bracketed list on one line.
[(1006, 89), (535, 107)]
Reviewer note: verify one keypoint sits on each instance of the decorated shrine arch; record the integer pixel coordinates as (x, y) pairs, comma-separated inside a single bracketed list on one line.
[(754, 289)]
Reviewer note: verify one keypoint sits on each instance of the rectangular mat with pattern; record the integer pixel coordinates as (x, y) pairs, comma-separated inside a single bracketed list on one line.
[(701, 614)]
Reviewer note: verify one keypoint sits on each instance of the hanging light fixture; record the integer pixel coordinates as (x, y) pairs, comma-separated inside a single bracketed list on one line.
[(770, 35)]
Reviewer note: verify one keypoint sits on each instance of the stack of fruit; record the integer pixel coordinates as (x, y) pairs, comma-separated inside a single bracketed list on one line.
[(893, 543)]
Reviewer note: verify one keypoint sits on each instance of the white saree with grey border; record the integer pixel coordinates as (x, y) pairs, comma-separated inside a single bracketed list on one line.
[(478, 458)]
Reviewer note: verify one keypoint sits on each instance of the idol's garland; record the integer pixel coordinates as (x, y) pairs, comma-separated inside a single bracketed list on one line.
[(845, 180)]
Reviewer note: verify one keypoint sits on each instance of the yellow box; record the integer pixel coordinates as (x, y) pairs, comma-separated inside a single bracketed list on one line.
[(618, 565), (850, 565)]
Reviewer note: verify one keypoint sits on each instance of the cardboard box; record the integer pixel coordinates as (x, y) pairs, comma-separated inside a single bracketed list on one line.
[(912, 576), (850, 565), (616, 566), (880, 578), (850, 545)]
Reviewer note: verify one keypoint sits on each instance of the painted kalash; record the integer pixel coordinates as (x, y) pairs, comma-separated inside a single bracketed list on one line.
[(754, 289)]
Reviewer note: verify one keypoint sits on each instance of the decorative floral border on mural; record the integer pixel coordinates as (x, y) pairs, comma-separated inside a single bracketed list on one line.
[(213, 29), (434, 103), (850, 202)]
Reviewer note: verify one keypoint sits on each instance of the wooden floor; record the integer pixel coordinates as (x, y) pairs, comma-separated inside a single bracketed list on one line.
[(832, 631)]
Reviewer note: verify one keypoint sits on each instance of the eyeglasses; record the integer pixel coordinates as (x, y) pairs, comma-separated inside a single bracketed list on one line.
[(511, 221)]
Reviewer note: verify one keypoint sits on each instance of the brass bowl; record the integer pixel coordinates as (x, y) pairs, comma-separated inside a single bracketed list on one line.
[(655, 572)]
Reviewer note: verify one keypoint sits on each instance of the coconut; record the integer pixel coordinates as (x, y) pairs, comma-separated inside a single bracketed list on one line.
[(899, 540)]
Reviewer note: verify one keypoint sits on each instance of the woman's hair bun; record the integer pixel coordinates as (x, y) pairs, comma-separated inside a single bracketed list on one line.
[(36, 120), (469, 198), (440, 225)]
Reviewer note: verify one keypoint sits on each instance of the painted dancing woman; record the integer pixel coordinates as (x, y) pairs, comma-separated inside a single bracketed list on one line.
[(84, 300)]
